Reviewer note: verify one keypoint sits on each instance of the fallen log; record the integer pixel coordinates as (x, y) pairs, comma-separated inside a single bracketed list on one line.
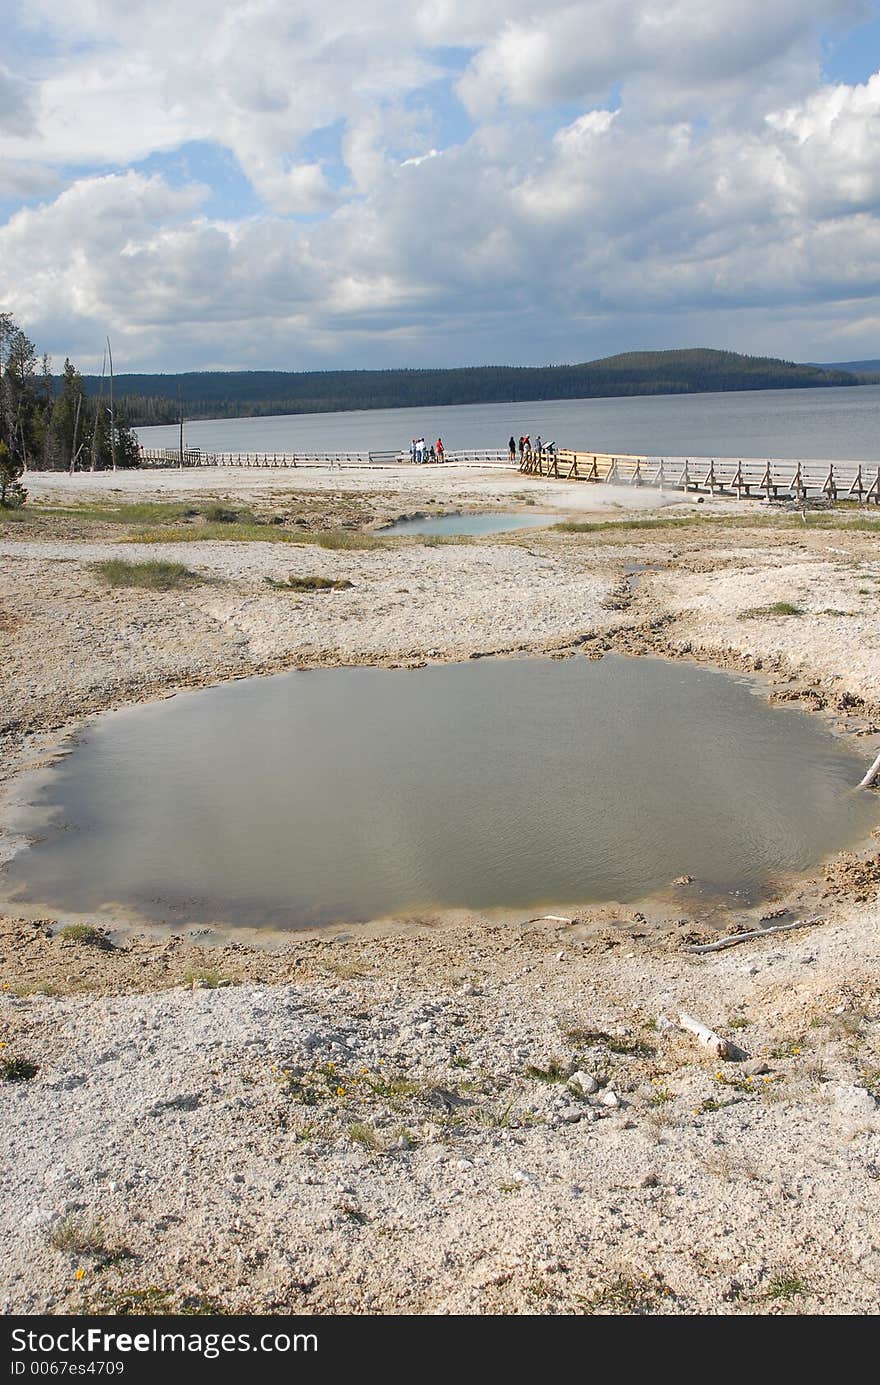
[(722, 1048), (753, 933), (872, 774)]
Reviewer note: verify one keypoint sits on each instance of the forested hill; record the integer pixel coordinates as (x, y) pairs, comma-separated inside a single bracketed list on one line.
[(150, 399), (869, 369)]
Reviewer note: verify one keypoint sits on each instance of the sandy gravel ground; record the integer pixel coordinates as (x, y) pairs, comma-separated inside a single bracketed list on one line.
[(464, 1118)]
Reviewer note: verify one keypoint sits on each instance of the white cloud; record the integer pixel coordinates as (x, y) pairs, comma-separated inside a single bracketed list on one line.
[(706, 177)]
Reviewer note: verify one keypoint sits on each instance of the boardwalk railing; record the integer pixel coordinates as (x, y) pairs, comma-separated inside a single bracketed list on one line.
[(197, 457), (767, 478), (764, 477)]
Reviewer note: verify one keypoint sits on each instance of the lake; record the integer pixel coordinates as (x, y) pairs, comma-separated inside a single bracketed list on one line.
[(839, 424), (352, 794)]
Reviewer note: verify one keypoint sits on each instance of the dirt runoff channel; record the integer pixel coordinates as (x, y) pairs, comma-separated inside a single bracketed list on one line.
[(455, 1116)]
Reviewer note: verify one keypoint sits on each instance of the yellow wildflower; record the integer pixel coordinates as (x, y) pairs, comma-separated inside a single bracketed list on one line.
[(80, 1274)]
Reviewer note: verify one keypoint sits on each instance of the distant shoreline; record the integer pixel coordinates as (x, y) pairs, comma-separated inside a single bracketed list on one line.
[(155, 399)]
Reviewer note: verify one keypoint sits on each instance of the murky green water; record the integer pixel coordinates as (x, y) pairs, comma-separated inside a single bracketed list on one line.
[(486, 522), (351, 794)]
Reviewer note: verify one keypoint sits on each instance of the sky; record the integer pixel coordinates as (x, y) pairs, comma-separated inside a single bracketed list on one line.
[(317, 184)]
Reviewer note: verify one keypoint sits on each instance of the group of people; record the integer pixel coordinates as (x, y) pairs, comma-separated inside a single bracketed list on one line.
[(526, 449), (421, 452)]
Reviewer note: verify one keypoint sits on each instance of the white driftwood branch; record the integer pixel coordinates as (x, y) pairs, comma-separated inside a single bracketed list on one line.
[(753, 933), (872, 774), (723, 1048)]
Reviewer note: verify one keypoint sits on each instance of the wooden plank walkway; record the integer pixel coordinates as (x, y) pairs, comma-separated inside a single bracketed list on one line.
[(197, 457), (765, 478)]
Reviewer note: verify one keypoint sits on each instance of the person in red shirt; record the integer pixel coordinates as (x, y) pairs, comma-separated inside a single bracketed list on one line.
[(439, 449)]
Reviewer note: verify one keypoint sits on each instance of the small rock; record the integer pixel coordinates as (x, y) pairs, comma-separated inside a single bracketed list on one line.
[(853, 1101), (584, 1082), (755, 1067), (610, 1098)]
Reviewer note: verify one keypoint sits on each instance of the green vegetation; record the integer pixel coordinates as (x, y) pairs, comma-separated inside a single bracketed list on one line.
[(785, 1286), (85, 933), (14, 1069), (367, 1136), (159, 576), (555, 1071), (309, 584), (77, 1237), (624, 1296), (205, 980), (53, 422), (12, 492), (151, 399), (152, 1302), (252, 531), (602, 526), (776, 608)]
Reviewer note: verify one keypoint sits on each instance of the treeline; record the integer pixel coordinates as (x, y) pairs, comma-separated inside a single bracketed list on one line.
[(54, 422), (867, 371), (152, 399)]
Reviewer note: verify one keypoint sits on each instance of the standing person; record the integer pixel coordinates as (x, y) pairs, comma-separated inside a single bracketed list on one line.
[(522, 446), (511, 448), (440, 450), (538, 446), (412, 450), (527, 445), (420, 450)]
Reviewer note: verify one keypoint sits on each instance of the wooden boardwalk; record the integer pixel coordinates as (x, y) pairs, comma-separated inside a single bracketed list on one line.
[(763, 478), (197, 457), (766, 478)]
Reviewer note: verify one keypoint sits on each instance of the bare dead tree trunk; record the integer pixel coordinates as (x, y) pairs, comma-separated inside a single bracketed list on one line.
[(112, 413), (73, 451), (98, 413)]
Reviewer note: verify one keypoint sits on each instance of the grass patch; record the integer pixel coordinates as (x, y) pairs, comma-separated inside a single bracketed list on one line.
[(367, 1137), (153, 1301), (221, 514), (205, 980), (785, 1286), (776, 608), (555, 1071), (870, 1078), (77, 1237), (615, 1043), (85, 933), (309, 584), (338, 540), (599, 526), (314, 1086), (446, 540), (14, 1069), (153, 576), (627, 1297)]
